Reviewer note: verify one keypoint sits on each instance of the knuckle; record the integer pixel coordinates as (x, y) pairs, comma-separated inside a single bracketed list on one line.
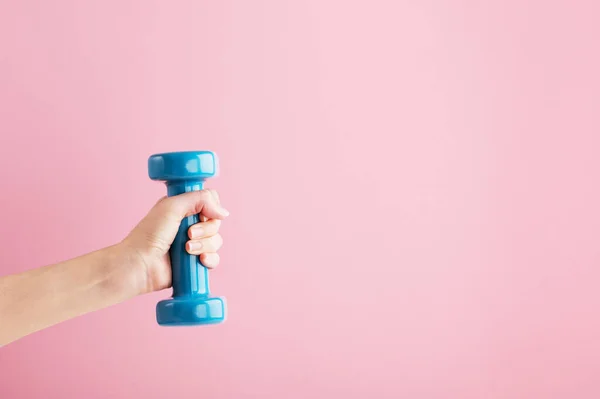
[(216, 241), (216, 224), (214, 193), (205, 195)]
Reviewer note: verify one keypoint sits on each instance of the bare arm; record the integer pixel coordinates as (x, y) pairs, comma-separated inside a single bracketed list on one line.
[(39, 298)]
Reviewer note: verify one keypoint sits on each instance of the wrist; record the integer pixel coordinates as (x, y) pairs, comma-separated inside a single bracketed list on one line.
[(125, 271)]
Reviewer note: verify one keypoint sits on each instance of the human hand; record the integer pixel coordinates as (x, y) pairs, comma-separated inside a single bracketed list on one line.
[(146, 248), (137, 265)]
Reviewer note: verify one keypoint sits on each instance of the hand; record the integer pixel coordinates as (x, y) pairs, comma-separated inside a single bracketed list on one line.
[(147, 246), (137, 265)]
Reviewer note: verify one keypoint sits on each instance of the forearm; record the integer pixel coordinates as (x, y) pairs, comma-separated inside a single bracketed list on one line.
[(42, 297)]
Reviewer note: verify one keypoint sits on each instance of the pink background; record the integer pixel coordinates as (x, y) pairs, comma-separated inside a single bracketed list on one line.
[(414, 188)]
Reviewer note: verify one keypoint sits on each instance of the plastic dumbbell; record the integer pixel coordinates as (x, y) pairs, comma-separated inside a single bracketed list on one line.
[(191, 303)]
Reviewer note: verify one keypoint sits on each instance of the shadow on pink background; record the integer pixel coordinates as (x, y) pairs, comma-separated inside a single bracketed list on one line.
[(414, 189)]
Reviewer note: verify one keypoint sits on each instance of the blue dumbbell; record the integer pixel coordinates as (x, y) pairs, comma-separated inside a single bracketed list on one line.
[(191, 303)]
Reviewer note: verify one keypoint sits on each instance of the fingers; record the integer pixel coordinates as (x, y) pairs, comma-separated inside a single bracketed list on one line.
[(204, 245), (203, 202), (210, 259), (205, 240), (204, 229), (214, 193), (201, 235)]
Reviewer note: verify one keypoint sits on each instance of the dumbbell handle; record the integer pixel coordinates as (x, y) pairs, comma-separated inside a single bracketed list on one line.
[(190, 278)]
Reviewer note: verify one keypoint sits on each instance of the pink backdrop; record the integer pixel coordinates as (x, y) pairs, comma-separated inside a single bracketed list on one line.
[(414, 188)]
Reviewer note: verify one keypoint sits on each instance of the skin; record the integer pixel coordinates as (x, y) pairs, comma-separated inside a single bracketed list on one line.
[(139, 264)]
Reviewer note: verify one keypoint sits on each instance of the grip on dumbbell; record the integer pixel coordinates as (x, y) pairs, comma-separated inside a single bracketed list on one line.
[(191, 303)]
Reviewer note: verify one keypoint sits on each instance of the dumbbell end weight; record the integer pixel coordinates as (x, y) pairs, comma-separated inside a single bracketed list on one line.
[(191, 303), (190, 311)]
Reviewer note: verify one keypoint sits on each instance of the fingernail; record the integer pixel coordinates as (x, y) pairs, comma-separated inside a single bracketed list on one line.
[(224, 211), (197, 232), (195, 246)]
